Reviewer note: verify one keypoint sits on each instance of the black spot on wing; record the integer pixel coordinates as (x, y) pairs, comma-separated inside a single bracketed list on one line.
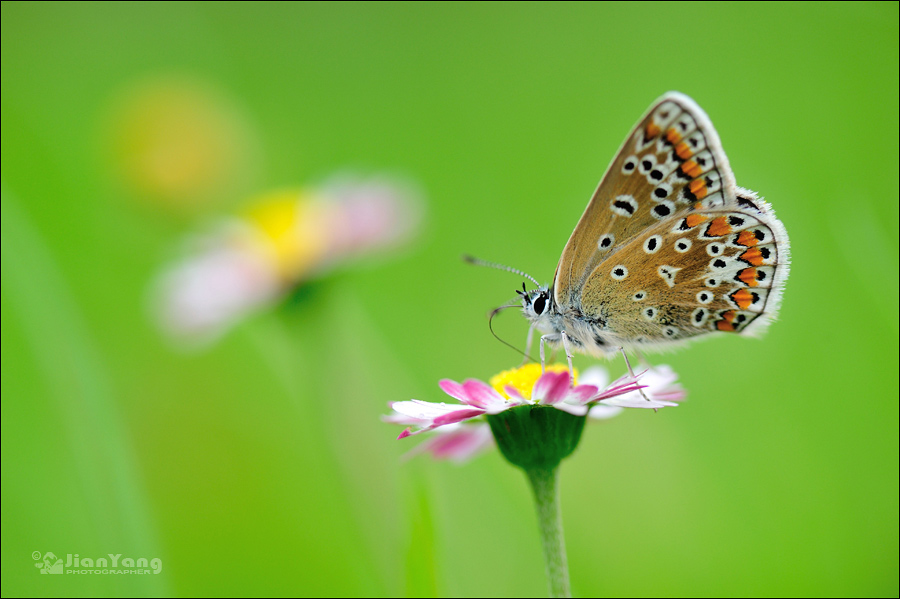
[(626, 206), (745, 202)]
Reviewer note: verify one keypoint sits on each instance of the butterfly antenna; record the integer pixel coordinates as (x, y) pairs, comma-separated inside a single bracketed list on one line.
[(480, 262), (496, 311)]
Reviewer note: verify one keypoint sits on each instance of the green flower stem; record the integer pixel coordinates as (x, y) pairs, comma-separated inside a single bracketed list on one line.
[(545, 484), (536, 439)]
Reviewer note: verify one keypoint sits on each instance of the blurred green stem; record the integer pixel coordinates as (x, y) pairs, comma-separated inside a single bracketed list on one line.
[(545, 484)]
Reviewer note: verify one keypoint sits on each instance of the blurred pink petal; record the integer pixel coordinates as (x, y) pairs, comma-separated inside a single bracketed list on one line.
[(456, 444), (246, 263)]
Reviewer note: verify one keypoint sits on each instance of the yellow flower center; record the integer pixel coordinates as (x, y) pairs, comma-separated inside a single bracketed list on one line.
[(292, 225), (522, 379)]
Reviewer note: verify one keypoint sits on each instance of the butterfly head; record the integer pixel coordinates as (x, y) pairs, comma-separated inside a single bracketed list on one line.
[(535, 304)]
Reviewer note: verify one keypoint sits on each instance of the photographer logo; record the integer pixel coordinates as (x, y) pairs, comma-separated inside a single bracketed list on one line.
[(111, 563)]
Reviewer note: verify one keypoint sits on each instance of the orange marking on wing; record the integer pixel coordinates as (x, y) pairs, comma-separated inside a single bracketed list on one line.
[(698, 188), (652, 130), (693, 220), (718, 227), (673, 135), (724, 326), (747, 239), (743, 298), (726, 323), (691, 169), (748, 276), (753, 256), (683, 150), (698, 206)]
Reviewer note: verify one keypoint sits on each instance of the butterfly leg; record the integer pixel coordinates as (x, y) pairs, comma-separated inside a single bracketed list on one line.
[(631, 372), (551, 338), (642, 360), (565, 341), (543, 360), (528, 341)]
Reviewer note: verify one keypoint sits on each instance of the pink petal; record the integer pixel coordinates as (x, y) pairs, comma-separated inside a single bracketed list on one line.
[(422, 410), (482, 395), (457, 416), (514, 395), (677, 394), (573, 409), (458, 445), (637, 401), (624, 385), (404, 420), (658, 385), (581, 394), (601, 412), (454, 390), (551, 388), (595, 375), (659, 376), (661, 383)]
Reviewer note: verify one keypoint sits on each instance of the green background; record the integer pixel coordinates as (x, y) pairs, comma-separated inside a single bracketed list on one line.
[(260, 466)]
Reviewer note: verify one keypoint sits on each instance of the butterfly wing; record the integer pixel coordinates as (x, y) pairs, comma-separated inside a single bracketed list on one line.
[(669, 247), (704, 270), (671, 160)]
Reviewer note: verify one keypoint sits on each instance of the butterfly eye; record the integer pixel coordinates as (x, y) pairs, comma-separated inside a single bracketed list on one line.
[(540, 304)]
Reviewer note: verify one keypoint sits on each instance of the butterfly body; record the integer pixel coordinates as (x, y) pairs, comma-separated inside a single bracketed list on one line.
[(668, 249)]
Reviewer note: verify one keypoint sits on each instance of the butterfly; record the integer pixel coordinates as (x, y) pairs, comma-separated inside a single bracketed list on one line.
[(668, 249)]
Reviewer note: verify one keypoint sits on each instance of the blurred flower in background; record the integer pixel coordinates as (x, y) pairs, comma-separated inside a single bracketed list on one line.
[(181, 143), (283, 239)]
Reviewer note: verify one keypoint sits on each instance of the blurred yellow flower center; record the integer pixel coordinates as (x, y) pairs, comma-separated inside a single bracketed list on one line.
[(292, 224), (522, 379)]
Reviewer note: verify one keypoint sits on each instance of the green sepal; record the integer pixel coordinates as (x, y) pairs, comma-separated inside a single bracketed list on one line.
[(536, 437)]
